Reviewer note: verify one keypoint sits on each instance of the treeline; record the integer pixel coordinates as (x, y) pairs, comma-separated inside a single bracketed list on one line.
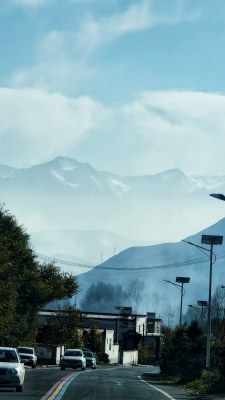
[(104, 297), (25, 285), (183, 358)]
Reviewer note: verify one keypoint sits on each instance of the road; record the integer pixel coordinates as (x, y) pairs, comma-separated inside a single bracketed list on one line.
[(104, 383)]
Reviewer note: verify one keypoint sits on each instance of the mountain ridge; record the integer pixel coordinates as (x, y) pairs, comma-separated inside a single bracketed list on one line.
[(64, 194)]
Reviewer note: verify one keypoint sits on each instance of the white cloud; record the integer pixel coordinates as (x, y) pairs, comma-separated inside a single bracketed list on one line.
[(178, 129), (62, 58), (95, 33), (158, 131), (37, 126)]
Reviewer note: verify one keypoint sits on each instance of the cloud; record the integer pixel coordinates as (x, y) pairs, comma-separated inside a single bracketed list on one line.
[(36, 125), (95, 33), (178, 129), (158, 131), (62, 58)]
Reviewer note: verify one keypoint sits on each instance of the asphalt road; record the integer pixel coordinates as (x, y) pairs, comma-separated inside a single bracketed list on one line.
[(104, 383)]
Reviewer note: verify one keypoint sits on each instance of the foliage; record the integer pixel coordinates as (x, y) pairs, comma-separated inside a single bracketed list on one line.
[(209, 382), (102, 358), (25, 284), (183, 352), (103, 297), (63, 327), (145, 354), (93, 340), (135, 293)]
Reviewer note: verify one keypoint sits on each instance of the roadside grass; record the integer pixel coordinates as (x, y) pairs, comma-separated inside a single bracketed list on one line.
[(209, 382)]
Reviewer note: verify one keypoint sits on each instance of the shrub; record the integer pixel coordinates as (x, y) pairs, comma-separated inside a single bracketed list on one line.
[(102, 358), (145, 354), (209, 382)]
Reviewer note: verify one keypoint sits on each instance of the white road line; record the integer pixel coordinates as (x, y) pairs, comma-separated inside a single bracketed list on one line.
[(159, 390)]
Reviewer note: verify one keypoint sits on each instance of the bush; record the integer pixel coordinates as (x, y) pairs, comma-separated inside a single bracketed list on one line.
[(183, 353), (102, 358), (209, 382), (145, 354)]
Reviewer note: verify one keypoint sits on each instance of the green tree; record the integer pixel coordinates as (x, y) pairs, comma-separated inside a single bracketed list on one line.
[(64, 326), (183, 352), (103, 297), (93, 340), (25, 284)]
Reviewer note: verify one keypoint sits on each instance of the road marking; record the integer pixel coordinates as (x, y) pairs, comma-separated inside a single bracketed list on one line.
[(159, 390), (53, 392)]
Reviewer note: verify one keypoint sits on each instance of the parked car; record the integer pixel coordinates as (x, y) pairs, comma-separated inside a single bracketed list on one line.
[(90, 358), (28, 356), (12, 370), (73, 358)]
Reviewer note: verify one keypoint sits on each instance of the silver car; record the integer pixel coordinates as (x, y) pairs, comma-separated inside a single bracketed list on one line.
[(28, 356), (73, 358), (12, 370)]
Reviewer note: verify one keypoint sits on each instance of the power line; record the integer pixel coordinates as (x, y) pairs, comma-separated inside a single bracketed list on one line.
[(180, 264)]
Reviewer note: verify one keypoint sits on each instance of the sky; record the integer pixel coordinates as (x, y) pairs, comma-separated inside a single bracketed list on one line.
[(133, 87)]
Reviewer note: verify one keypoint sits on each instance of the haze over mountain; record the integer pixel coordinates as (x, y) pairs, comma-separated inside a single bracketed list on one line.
[(152, 266), (71, 209), (132, 226)]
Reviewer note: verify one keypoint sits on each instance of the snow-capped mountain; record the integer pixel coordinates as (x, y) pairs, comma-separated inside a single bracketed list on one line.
[(62, 196)]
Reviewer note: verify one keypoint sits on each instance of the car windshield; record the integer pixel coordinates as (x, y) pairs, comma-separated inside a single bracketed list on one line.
[(8, 356), (88, 354), (25, 350), (76, 353)]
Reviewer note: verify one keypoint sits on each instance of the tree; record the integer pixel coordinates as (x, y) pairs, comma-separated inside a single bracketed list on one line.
[(93, 340), (183, 352), (135, 293), (25, 284), (63, 327), (103, 297)]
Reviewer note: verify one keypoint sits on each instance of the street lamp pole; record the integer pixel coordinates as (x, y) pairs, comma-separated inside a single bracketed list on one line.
[(211, 240), (202, 304), (182, 280)]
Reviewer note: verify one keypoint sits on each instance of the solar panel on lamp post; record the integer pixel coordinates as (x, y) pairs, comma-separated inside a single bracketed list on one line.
[(182, 280)]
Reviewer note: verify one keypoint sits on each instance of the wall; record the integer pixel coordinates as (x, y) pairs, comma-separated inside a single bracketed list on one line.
[(111, 349), (49, 354), (130, 357)]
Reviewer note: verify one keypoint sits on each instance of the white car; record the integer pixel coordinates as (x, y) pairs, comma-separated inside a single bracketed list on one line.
[(73, 358), (28, 356), (12, 370)]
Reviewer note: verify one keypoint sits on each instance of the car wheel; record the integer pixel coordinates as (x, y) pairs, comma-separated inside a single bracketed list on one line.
[(34, 366), (19, 388), (62, 368)]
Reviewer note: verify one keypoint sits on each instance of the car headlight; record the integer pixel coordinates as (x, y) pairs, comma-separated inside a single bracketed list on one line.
[(13, 371)]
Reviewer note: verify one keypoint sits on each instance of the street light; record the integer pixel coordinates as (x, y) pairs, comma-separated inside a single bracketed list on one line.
[(126, 311), (211, 240), (182, 280), (196, 308), (219, 196), (202, 304)]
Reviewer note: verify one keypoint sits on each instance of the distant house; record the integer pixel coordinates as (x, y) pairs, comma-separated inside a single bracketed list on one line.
[(121, 332)]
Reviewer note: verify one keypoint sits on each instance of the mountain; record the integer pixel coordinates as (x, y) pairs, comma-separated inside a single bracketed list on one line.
[(70, 208), (156, 264)]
